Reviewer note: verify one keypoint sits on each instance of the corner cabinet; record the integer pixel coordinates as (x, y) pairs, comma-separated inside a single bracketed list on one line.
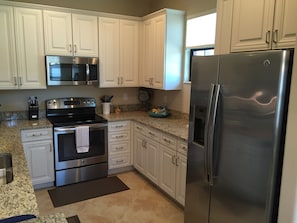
[(69, 34), (162, 50), (162, 158), (38, 148), (118, 52), (22, 48)]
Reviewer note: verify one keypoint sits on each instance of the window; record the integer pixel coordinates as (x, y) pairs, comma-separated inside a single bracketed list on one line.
[(200, 39)]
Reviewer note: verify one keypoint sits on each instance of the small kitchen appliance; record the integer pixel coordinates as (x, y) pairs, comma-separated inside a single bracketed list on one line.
[(67, 70), (80, 140), (33, 108)]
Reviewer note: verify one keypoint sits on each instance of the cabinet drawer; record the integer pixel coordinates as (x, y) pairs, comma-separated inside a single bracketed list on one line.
[(153, 134), (118, 126), (168, 141), (36, 134), (140, 128), (118, 136), (117, 161), (182, 147), (115, 148)]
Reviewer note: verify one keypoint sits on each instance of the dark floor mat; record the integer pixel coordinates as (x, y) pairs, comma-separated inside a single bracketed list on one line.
[(73, 219), (85, 190)]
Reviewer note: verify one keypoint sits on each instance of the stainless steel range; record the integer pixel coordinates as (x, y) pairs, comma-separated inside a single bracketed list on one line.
[(80, 140)]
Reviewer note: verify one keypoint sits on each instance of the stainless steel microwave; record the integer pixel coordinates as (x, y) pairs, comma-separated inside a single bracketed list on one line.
[(67, 70)]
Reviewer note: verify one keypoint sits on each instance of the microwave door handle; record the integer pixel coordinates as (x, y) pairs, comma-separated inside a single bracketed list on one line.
[(87, 73)]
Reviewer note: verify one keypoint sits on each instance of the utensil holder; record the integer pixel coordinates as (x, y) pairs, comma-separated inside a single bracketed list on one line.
[(106, 108)]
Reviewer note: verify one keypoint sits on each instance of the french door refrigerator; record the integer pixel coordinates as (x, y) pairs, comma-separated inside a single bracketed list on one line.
[(236, 136)]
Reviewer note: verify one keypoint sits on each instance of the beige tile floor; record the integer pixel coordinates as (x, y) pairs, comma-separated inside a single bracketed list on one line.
[(143, 203)]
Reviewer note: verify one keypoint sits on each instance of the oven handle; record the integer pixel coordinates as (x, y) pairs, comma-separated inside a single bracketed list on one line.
[(64, 129), (72, 129)]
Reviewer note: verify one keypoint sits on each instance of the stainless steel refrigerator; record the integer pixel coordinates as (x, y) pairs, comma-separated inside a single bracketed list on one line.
[(236, 136)]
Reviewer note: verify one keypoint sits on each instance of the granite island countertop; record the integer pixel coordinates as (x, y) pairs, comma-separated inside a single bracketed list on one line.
[(176, 124), (18, 197)]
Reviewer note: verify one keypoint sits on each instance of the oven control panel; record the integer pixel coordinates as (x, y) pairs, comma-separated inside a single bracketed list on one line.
[(66, 103)]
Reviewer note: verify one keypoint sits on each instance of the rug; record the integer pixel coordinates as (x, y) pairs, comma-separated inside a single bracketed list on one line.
[(86, 190), (73, 219)]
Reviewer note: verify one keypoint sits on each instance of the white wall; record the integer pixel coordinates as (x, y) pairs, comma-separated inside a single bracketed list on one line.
[(176, 100), (288, 196)]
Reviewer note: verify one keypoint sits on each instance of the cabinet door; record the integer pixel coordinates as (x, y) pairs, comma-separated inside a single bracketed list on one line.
[(40, 160), (223, 26), (85, 35), (252, 25), (109, 52), (152, 161), (159, 48), (139, 153), (30, 48), (58, 33), (284, 35), (129, 53), (8, 69), (167, 170), (181, 174), (147, 52)]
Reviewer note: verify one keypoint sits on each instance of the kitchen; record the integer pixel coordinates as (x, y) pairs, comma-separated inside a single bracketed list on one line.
[(129, 95)]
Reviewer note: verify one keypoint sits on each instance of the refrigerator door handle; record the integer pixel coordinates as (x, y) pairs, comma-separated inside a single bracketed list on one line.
[(207, 130), (211, 134)]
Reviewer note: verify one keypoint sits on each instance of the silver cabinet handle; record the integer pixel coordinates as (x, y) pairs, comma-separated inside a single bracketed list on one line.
[(173, 160), (70, 48), (20, 81), (119, 148), (119, 161), (268, 37), (15, 81), (275, 36), (75, 48), (177, 161)]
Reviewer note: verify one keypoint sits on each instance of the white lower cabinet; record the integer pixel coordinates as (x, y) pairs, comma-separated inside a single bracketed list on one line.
[(38, 148), (146, 152), (167, 170), (181, 175), (119, 152), (162, 158)]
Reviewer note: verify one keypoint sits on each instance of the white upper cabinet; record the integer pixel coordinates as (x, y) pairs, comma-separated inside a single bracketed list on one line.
[(8, 68), (118, 52), (263, 24), (285, 23), (70, 34), (162, 50), (22, 51)]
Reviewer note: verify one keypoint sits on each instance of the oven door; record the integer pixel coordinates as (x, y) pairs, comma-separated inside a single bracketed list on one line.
[(66, 155)]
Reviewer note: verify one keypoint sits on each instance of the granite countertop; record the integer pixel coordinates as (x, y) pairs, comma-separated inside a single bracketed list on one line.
[(176, 124), (18, 197)]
